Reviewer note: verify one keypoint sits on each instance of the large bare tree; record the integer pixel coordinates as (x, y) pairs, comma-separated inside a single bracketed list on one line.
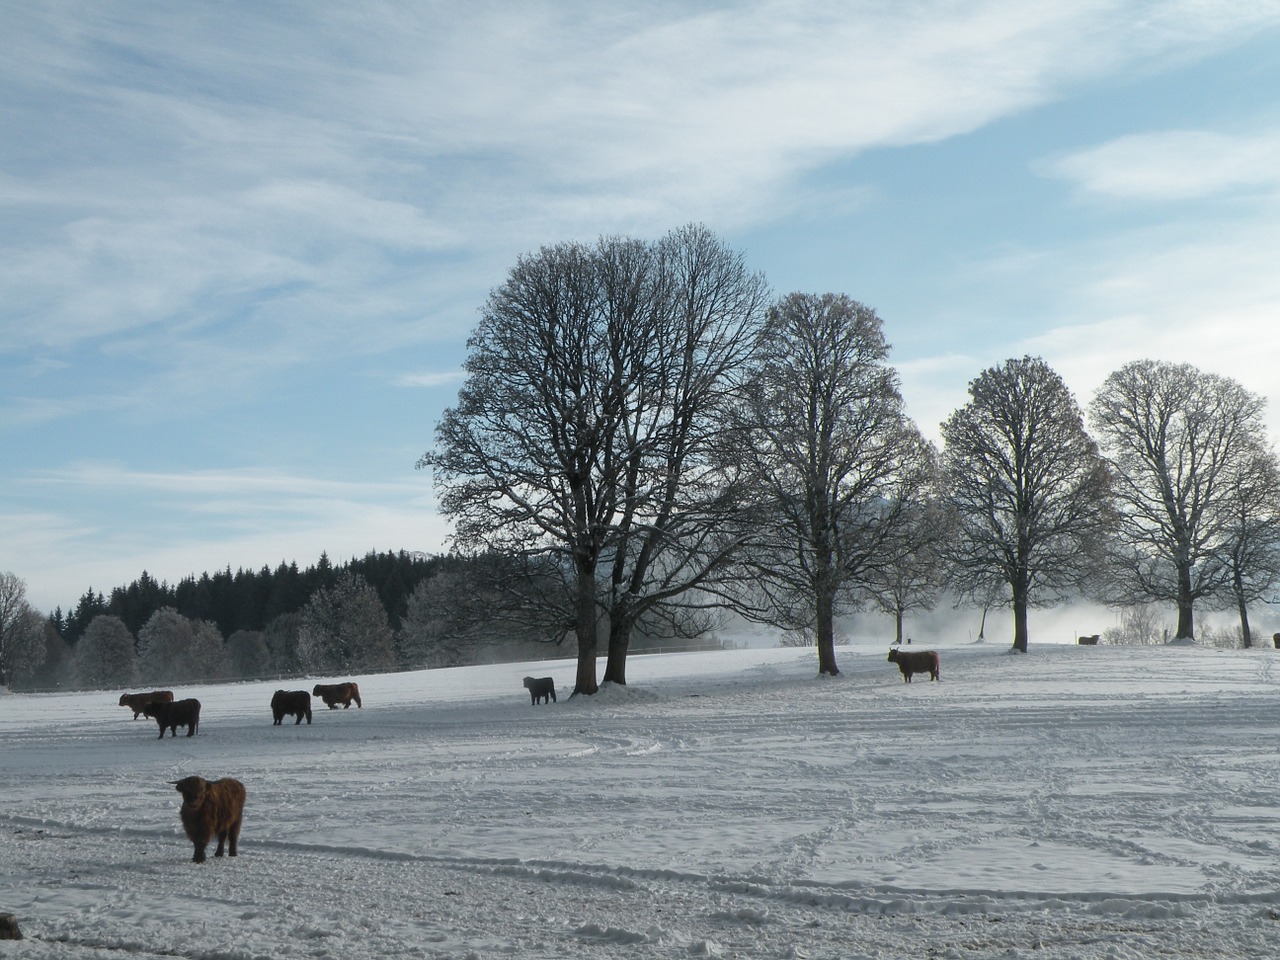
[(588, 428), (1253, 534), (835, 461), (21, 631), (1178, 438), (1029, 490)]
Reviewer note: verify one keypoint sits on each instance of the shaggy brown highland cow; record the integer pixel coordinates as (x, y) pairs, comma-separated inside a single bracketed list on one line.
[(184, 713), (209, 809), (338, 693), (136, 701)]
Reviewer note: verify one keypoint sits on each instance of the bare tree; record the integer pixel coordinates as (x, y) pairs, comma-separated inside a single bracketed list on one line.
[(1029, 490), (1177, 438), (835, 460), (584, 431), (19, 640), (22, 648), (914, 572), (1252, 541)]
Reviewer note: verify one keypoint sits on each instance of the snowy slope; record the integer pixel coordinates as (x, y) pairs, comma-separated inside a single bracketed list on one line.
[(1074, 802)]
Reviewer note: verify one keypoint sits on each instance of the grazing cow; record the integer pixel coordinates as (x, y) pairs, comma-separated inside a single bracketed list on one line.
[(184, 713), (926, 661), (136, 701), (211, 809), (540, 688), (1089, 641), (293, 703), (338, 693)]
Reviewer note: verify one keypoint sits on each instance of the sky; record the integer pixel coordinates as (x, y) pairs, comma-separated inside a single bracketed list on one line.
[(242, 245)]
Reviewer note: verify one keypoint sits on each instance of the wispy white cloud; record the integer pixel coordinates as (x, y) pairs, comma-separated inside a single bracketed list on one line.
[(444, 379), (1174, 165)]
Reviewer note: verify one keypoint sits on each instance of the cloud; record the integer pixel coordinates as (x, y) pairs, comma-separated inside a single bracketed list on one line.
[(445, 379), (208, 520), (1173, 165)]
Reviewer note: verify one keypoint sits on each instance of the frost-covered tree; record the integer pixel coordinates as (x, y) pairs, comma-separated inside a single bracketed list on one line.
[(344, 628), (104, 656), (281, 638), (176, 649), (164, 644), (21, 632), (247, 655)]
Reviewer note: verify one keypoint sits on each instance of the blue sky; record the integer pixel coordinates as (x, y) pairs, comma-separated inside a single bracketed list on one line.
[(243, 244)]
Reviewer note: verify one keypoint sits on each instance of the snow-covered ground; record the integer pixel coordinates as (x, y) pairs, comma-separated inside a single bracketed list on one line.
[(1074, 802)]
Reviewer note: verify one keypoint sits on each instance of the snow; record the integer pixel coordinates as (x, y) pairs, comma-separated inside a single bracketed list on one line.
[(1073, 802)]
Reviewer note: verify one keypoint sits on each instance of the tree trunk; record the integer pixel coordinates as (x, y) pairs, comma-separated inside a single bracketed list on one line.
[(587, 629), (897, 617), (615, 667), (1186, 616), (1245, 635), (824, 633), (1020, 631)]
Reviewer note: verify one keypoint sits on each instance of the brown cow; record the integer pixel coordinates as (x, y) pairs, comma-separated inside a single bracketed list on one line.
[(293, 703), (338, 693), (136, 701), (211, 809), (184, 713), (1089, 641), (925, 661), (540, 688)]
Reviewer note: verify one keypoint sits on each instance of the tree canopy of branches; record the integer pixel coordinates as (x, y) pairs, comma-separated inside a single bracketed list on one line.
[(1252, 542), (1028, 487), (22, 642), (590, 427), (1180, 442), (836, 463)]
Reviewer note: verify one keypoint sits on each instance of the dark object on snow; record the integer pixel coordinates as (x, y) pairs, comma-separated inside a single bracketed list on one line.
[(1089, 641), (184, 713), (338, 693), (926, 661), (293, 703), (1275, 638), (540, 688), (136, 701), (211, 809), (9, 927)]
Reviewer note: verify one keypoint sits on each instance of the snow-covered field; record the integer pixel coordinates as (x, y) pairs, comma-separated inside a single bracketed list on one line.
[(1073, 802)]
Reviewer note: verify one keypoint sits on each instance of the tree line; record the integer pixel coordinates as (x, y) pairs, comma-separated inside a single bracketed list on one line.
[(646, 438), (646, 435)]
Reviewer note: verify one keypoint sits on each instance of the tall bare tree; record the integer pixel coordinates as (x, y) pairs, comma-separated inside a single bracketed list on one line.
[(585, 430), (1177, 439), (836, 463), (1252, 541), (1029, 489), (915, 572), (21, 631)]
